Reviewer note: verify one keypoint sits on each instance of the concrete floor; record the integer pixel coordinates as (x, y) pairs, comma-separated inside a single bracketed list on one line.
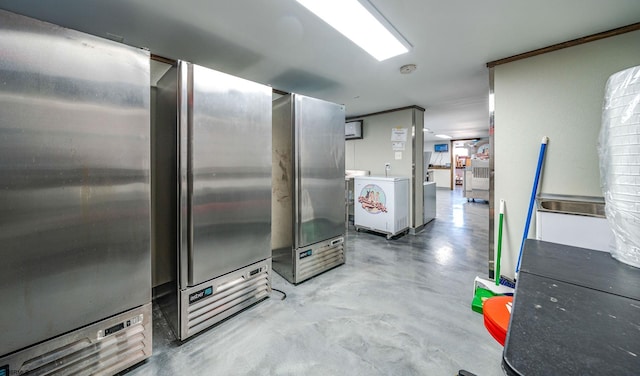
[(397, 307)]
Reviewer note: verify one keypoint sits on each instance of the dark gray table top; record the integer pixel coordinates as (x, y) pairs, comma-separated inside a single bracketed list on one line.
[(573, 314), (582, 267)]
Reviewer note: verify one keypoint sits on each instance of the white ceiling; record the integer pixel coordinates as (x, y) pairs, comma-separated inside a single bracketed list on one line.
[(280, 43)]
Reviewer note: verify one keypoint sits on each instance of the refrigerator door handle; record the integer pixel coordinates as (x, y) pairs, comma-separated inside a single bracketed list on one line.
[(185, 82), (297, 223)]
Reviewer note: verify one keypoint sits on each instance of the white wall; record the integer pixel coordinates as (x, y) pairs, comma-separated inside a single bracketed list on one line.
[(559, 95), (441, 176), (438, 158), (375, 149)]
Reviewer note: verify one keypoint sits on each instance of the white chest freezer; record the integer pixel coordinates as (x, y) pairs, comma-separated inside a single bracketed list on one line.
[(381, 204)]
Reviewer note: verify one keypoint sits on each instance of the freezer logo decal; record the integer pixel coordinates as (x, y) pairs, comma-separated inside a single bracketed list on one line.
[(199, 295), (373, 199), (306, 253)]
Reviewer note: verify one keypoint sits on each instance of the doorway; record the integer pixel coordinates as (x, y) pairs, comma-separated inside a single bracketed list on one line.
[(460, 160), (470, 174)]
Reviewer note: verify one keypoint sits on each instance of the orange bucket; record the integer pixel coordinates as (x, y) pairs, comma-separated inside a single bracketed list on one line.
[(497, 312)]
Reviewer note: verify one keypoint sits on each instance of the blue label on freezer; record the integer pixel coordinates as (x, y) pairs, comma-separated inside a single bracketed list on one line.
[(306, 253), (199, 295), (4, 370)]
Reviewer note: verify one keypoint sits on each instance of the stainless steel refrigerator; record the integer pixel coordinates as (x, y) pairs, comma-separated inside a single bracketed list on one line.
[(212, 194), (308, 224), (75, 260)]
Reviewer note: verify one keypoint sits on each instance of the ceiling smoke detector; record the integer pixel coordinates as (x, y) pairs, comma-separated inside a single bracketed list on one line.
[(406, 69)]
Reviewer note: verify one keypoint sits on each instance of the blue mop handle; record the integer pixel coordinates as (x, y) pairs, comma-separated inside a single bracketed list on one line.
[(534, 191)]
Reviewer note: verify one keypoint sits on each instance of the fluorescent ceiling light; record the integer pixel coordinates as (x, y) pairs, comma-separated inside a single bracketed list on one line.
[(443, 136), (362, 24)]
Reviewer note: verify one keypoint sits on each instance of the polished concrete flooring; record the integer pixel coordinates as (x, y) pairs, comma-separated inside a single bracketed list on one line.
[(397, 307)]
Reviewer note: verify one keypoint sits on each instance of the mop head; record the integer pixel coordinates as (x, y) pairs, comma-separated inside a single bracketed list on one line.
[(484, 289)]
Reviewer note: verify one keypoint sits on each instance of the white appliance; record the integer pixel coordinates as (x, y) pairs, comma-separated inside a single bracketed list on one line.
[(381, 204), (476, 180)]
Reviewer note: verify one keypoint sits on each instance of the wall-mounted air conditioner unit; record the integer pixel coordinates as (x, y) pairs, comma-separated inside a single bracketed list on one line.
[(353, 130)]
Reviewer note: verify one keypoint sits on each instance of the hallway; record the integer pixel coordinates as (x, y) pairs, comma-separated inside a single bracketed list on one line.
[(398, 307)]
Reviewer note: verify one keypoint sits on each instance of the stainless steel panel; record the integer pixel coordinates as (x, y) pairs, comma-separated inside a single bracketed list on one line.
[(319, 148), (74, 180), (88, 351), (229, 174), (282, 224), (206, 304), (168, 232), (164, 185), (170, 152), (429, 202), (577, 205), (317, 258)]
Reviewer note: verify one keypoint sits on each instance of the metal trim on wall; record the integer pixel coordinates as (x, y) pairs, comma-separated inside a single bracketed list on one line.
[(491, 173), (413, 168), (348, 118), (567, 44)]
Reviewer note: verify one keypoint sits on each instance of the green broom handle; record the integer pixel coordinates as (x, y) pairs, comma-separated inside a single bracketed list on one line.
[(497, 276)]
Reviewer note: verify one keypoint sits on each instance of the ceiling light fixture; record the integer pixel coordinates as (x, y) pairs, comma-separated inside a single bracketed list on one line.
[(363, 24), (443, 136)]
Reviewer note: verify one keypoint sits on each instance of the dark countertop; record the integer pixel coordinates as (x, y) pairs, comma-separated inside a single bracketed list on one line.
[(580, 266), (575, 311)]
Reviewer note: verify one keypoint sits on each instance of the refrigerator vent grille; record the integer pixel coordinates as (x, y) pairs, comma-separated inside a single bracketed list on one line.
[(105, 357), (230, 297), (323, 258)]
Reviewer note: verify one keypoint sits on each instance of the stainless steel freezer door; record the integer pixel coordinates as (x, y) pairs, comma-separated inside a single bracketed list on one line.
[(230, 175), (320, 210), (74, 180)]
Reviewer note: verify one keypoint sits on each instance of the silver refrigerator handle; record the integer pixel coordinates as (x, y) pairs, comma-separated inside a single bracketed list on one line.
[(185, 189), (297, 167)]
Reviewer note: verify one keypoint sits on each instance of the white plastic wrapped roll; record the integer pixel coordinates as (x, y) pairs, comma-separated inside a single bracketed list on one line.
[(619, 150)]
